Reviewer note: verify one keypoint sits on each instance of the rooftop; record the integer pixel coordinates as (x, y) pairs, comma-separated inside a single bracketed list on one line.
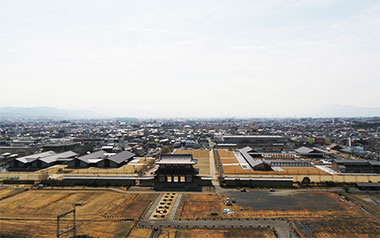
[(176, 159)]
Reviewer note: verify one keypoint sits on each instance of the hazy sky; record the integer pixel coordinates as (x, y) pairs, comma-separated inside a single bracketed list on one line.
[(190, 58)]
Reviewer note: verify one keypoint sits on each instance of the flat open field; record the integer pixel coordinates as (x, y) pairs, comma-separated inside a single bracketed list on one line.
[(6, 192), (140, 233), (190, 207), (227, 156), (33, 213), (225, 233), (370, 202), (96, 205), (338, 228), (282, 204), (47, 229), (203, 157)]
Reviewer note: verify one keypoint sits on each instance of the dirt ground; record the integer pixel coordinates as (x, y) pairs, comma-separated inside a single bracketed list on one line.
[(48, 229), (203, 157), (33, 213), (47, 204), (267, 205), (370, 202), (6, 192), (140, 233), (227, 157), (225, 233), (168, 233), (339, 228)]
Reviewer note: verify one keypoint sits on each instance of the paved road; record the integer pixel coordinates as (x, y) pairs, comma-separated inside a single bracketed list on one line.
[(281, 226), (173, 210), (213, 172), (153, 206)]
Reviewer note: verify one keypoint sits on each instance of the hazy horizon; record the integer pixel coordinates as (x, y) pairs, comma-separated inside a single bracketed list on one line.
[(275, 58)]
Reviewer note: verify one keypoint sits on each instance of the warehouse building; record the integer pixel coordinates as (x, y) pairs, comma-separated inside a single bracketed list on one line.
[(266, 161), (102, 159), (356, 166), (41, 160), (260, 142)]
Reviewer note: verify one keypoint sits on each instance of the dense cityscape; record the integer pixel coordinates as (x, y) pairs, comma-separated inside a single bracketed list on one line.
[(236, 166)]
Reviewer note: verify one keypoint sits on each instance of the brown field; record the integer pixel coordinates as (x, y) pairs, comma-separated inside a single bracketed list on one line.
[(370, 202), (236, 169), (225, 153), (47, 229), (168, 233), (338, 228), (191, 209), (227, 156), (203, 157), (226, 233), (102, 205), (6, 192), (140, 233)]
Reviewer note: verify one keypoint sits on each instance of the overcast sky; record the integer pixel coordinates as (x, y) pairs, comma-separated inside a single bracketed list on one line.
[(190, 58)]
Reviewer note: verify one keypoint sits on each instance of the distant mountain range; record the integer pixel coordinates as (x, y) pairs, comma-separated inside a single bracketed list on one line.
[(345, 111), (45, 113), (55, 113)]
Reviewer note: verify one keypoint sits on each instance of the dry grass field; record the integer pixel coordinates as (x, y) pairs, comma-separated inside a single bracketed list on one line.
[(226, 233), (203, 157), (48, 228), (140, 233), (191, 209), (168, 233), (370, 202), (102, 205), (338, 228), (227, 156), (101, 214), (225, 153), (7, 192)]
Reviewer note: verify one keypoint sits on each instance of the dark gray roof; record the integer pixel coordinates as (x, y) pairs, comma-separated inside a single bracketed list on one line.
[(121, 156), (97, 154), (374, 162), (31, 158), (251, 161), (117, 158), (351, 162), (368, 184), (65, 155)]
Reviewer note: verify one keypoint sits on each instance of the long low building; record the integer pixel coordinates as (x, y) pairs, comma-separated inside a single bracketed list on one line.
[(102, 159), (260, 142), (266, 162), (41, 160), (356, 166)]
